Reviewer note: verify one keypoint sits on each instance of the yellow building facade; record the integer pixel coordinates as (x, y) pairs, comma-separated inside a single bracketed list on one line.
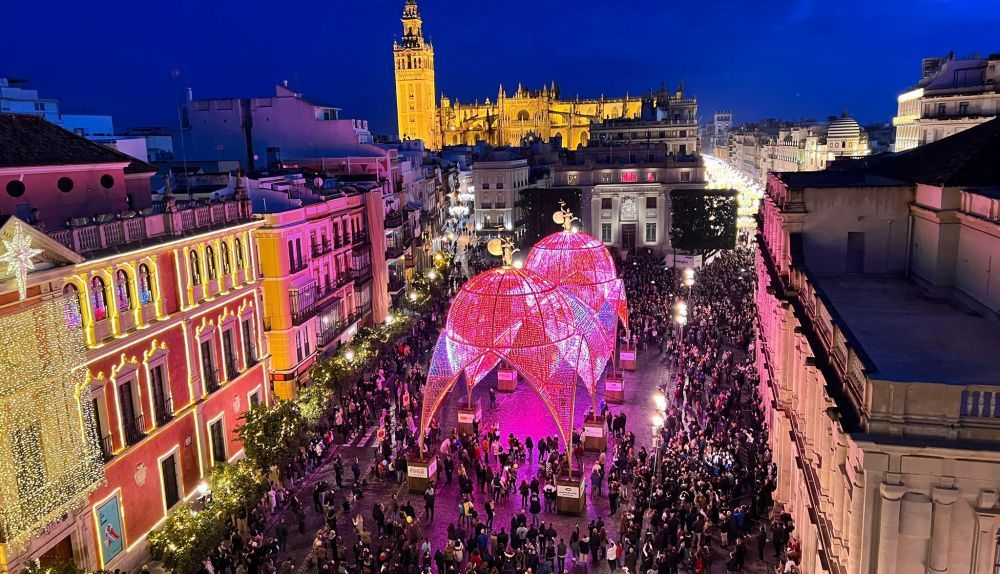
[(505, 121)]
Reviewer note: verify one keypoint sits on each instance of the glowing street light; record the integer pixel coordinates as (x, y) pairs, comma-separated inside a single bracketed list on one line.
[(349, 355), (660, 401), (412, 295), (657, 421)]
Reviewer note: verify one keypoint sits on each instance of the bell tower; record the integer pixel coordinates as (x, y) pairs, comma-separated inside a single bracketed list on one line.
[(416, 109)]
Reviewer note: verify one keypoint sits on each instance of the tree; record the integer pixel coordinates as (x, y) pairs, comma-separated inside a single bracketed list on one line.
[(703, 219), (186, 538), (270, 437)]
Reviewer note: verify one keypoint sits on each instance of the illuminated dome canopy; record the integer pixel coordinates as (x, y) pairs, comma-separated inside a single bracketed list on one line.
[(582, 266), (513, 308), (518, 317)]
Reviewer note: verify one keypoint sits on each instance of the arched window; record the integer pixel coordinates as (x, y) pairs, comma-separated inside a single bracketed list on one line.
[(123, 291), (145, 285), (523, 116), (99, 297), (238, 247), (195, 269), (71, 306), (226, 266), (210, 263)]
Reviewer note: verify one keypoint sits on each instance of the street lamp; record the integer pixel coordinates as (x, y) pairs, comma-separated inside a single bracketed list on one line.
[(349, 355), (681, 318), (660, 401)]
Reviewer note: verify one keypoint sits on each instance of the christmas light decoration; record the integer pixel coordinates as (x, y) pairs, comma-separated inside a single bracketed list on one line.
[(516, 316), (582, 267), (46, 425), (18, 254)]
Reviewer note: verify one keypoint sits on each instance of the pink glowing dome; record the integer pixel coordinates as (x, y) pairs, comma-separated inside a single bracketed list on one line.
[(508, 307), (583, 266)]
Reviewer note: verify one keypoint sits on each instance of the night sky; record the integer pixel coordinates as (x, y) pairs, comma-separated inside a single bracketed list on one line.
[(765, 58)]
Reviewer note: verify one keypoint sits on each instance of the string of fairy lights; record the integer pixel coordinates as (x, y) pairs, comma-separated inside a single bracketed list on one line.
[(54, 461), (722, 175)]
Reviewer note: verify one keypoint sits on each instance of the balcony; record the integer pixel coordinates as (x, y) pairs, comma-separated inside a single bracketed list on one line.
[(296, 266), (232, 367), (105, 232), (321, 300), (394, 219), (164, 411), (395, 251), (330, 330), (321, 248), (362, 276), (359, 239), (250, 355), (211, 379), (107, 448), (396, 284), (135, 430), (362, 310)]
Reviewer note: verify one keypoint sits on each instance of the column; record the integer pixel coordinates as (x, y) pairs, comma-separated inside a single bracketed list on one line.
[(854, 546), (888, 538), (944, 499)]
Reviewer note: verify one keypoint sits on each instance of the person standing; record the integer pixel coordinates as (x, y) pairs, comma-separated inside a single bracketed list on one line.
[(612, 555)]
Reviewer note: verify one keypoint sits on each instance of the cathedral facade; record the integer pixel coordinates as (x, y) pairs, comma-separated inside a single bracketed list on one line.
[(504, 121)]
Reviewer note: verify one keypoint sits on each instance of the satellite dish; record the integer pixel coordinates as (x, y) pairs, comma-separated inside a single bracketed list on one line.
[(495, 247), (558, 217)]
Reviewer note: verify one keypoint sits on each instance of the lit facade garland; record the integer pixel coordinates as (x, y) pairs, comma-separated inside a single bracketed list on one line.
[(51, 458)]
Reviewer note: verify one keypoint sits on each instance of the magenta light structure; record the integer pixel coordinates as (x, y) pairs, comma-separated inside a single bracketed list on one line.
[(582, 267), (517, 316)]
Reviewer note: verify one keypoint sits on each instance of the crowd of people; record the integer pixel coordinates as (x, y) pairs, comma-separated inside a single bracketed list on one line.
[(697, 497)]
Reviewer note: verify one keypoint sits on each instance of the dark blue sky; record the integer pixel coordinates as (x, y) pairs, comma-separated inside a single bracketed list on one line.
[(765, 58)]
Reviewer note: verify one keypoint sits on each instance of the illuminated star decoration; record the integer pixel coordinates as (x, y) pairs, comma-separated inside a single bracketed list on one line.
[(18, 256)]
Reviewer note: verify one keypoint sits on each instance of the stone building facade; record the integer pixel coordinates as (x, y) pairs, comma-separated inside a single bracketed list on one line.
[(874, 325)]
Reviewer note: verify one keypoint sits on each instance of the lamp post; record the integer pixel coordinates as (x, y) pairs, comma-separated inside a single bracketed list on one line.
[(657, 443), (689, 280), (681, 317)]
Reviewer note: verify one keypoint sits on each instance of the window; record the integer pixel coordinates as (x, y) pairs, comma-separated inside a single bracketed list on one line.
[(963, 108), (107, 181), (606, 232), (226, 267), (254, 398), (99, 296), (650, 203), (163, 408), (605, 203), (650, 176), (229, 354), (123, 291), (238, 247), (573, 178), (213, 271), (208, 369), (15, 188), (249, 350), (499, 184), (605, 178), (145, 285), (650, 233), (168, 471), (195, 268), (103, 436), (486, 185), (132, 419), (685, 176), (215, 431), (71, 306), (65, 184), (629, 176)]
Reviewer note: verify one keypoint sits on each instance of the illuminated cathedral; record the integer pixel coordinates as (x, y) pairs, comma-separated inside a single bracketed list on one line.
[(506, 120)]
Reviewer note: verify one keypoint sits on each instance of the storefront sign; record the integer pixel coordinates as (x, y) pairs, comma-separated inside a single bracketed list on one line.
[(612, 385)]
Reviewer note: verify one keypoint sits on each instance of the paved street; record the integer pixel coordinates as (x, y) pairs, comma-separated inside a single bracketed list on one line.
[(520, 412)]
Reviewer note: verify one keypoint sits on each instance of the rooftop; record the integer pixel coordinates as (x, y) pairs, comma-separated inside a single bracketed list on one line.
[(910, 337), (32, 141)]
